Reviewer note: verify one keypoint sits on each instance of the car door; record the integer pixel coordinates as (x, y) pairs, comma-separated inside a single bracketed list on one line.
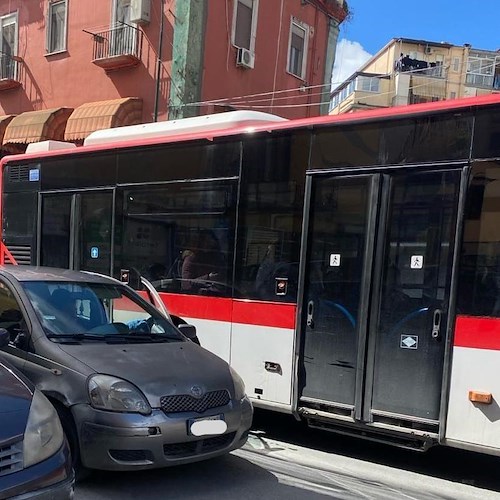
[(14, 319)]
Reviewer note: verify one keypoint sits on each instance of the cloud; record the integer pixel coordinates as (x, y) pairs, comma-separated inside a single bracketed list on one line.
[(349, 57)]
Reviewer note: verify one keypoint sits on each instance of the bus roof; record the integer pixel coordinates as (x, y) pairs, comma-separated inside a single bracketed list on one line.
[(196, 124), (206, 133)]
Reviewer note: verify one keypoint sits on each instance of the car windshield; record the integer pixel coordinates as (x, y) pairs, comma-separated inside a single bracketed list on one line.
[(95, 311)]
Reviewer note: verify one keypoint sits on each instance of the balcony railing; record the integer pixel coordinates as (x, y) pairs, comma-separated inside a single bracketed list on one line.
[(418, 67), (9, 69), (117, 47)]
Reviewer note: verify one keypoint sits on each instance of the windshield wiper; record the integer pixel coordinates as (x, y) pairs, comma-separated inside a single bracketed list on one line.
[(113, 337), (138, 337), (75, 336)]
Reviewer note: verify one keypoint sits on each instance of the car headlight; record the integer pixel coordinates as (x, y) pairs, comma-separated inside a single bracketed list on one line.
[(114, 394), (44, 435), (239, 385)]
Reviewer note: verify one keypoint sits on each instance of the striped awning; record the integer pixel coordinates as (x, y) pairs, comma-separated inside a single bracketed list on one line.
[(93, 116), (35, 126), (4, 121)]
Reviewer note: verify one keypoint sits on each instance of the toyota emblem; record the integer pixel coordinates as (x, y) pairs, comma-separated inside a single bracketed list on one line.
[(196, 391)]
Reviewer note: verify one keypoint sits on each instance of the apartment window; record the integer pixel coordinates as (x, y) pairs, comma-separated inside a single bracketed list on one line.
[(453, 95), (480, 70), (368, 84), (419, 56), (297, 52), (123, 32), (56, 26), (8, 49), (245, 24), (456, 64)]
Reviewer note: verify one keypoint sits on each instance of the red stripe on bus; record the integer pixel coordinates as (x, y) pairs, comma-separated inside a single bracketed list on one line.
[(477, 333), (194, 306), (246, 312), (263, 313)]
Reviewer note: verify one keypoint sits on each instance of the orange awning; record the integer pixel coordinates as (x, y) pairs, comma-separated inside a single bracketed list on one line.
[(4, 121), (35, 126), (93, 116)]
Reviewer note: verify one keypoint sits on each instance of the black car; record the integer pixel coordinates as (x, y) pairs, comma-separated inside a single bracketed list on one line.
[(34, 456)]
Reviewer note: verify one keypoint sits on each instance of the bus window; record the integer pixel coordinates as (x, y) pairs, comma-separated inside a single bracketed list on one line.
[(487, 134), (167, 163), (180, 236), (479, 281), (396, 142), (272, 196)]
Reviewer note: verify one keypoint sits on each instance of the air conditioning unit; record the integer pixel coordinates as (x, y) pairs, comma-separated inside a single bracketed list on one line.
[(140, 11), (245, 58)]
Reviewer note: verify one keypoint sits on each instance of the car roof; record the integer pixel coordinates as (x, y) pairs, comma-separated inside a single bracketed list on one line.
[(33, 273)]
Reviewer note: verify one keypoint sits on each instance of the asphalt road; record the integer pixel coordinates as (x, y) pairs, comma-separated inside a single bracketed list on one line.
[(285, 460)]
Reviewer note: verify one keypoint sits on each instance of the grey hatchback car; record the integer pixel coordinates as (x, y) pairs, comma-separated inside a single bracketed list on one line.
[(132, 392)]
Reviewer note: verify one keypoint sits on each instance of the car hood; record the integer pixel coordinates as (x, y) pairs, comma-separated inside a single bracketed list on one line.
[(15, 402), (157, 369)]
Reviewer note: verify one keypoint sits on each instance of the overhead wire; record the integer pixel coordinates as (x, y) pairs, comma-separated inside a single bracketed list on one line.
[(250, 100)]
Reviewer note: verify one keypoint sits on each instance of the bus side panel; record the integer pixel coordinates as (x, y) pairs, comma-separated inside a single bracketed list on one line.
[(255, 337), (215, 336), (211, 316), (476, 361), (262, 347)]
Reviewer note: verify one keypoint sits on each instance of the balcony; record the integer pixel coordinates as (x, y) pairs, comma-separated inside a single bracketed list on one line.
[(9, 72), (118, 47), (423, 68), (338, 9)]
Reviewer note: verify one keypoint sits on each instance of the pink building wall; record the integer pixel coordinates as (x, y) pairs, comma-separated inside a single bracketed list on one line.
[(71, 79), (222, 78)]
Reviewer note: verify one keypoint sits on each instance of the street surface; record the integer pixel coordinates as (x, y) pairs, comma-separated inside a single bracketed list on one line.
[(285, 460)]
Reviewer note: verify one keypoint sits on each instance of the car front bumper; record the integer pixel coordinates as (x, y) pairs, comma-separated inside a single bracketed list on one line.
[(128, 441)]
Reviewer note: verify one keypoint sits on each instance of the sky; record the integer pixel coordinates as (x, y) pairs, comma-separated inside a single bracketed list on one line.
[(372, 24)]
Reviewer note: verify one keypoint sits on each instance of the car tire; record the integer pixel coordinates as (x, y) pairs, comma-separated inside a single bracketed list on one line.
[(69, 428)]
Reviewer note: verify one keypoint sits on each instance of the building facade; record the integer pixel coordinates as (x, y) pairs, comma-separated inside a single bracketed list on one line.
[(103, 63), (410, 71)]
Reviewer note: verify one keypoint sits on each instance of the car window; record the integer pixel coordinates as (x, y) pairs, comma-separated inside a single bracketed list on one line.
[(99, 309), (11, 317)]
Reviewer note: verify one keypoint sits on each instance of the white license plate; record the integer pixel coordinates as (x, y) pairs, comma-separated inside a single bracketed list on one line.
[(207, 426)]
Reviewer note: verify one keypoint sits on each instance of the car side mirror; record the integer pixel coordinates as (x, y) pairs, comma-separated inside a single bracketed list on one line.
[(189, 331), (4, 338)]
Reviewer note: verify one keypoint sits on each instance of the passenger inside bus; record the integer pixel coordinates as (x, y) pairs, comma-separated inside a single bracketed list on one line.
[(202, 261)]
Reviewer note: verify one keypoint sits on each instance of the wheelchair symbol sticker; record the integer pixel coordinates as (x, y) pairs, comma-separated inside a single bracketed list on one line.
[(335, 260), (417, 261), (94, 252)]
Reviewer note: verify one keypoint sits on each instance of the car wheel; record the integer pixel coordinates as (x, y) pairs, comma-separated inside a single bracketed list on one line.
[(68, 425)]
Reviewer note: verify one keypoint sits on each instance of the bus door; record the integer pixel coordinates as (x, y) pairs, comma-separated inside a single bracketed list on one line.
[(378, 254), (75, 230)]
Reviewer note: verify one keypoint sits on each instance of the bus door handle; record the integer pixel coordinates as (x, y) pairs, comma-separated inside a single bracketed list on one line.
[(310, 314), (436, 324)]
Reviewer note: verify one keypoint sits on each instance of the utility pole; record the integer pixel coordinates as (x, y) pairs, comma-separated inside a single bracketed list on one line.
[(158, 62)]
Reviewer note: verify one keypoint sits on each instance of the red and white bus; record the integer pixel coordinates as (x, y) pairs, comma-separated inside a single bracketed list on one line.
[(348, 267)]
